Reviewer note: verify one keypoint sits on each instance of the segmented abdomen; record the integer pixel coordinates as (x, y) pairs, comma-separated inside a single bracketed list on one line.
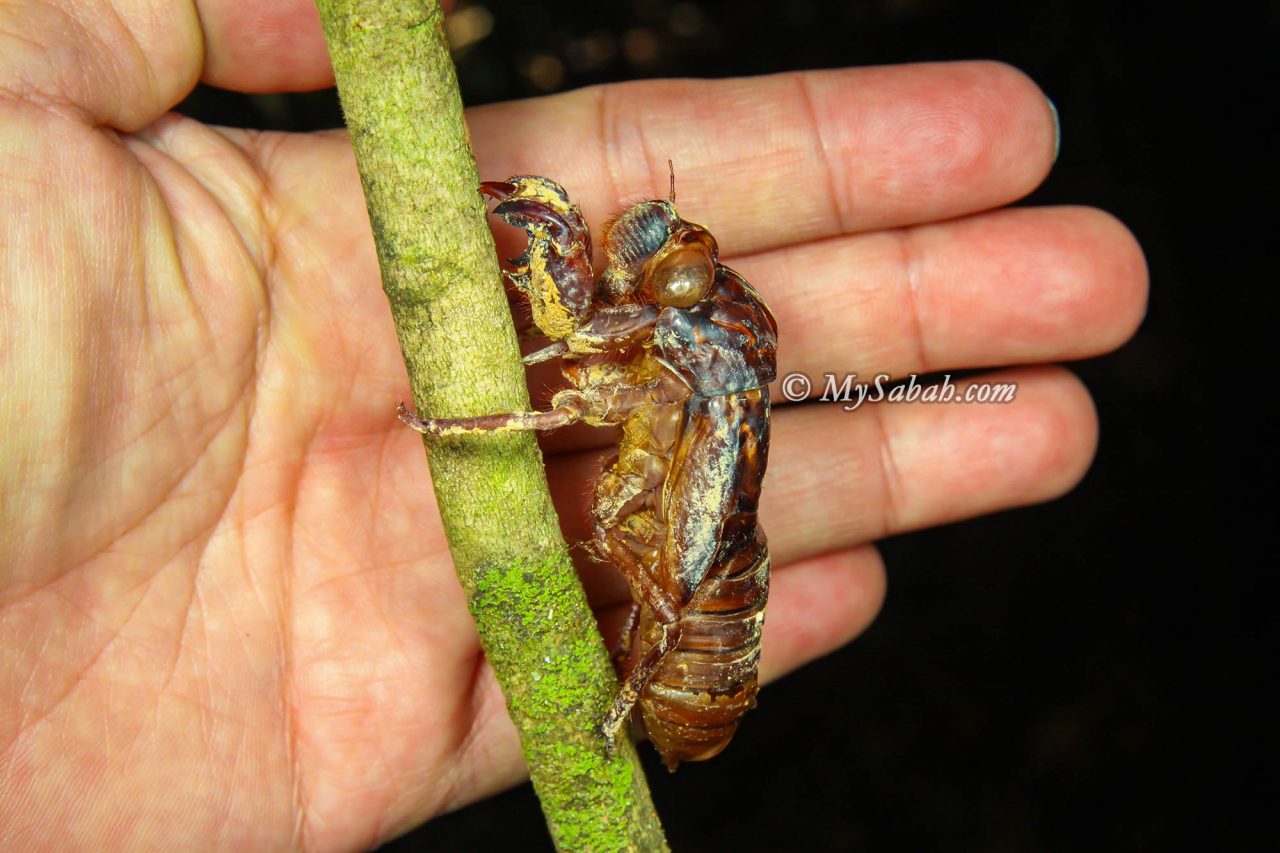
[(692, 705)]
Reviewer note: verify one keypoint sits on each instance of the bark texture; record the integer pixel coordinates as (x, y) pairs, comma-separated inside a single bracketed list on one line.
[(439, 269)]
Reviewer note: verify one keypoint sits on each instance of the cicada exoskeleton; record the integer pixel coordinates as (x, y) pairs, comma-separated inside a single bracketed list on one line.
[(677, 350)]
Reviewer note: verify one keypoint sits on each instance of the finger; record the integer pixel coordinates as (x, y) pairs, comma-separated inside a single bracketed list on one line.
[(815, 606), (117, 64), (1014, 286), (276, 46), (819, 604), (839, 479), (771, 161), (123, 64), (506, 134)]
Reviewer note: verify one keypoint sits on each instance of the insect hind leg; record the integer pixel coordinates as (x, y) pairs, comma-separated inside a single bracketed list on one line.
[(612, 543), (626, 637), (629, 693)]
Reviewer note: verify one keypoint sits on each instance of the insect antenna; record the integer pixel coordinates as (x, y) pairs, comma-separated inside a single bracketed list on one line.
[(672, 170)]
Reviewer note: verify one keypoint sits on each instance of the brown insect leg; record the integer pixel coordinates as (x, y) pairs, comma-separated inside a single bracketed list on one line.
[(645, 590), (552, 350), (500, 190), (627, 638), (608, 329), (522, 212), (629, 692), (563, 415)]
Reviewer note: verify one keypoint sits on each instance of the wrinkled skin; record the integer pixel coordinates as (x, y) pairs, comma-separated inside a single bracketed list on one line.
[(227, 613)]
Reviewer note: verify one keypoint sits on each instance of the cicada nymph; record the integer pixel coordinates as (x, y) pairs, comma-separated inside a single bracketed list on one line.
[(678, 351)]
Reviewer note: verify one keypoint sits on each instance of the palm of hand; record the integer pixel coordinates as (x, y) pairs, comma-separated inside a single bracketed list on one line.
[(209, 549), (228, 610)]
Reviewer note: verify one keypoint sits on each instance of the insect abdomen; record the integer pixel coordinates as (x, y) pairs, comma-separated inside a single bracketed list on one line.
[(693, 704)]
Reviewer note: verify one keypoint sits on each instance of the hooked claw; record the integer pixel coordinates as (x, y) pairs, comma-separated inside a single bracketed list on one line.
[(524, 201), (409, 419), (499, 190), (554, 272), (610, 744), (521, 211)]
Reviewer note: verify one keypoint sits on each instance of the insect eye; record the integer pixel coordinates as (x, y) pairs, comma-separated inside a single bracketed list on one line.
[(683, 277)]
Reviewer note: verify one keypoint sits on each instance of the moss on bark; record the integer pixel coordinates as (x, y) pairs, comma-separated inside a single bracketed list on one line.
[(440, 273)]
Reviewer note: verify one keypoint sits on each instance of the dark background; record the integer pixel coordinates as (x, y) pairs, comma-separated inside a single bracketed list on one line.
[(1084, 674)]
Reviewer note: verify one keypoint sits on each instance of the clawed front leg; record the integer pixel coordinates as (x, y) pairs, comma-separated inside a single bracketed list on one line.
[(568, 409), (608, 329), (554, 272)]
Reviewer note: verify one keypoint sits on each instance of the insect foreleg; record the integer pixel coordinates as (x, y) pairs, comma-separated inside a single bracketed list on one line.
[(608, 329), (554, 272)]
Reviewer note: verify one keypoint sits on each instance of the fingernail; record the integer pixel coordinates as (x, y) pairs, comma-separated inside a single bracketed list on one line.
[(1057, 130)]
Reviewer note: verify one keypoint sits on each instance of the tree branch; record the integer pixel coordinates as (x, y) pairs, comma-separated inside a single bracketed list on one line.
[(440, 273)]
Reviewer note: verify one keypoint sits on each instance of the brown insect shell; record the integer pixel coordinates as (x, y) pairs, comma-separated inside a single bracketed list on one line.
[(682, 273), (554, 272), (630, 241), (554, 309), (601, 371)]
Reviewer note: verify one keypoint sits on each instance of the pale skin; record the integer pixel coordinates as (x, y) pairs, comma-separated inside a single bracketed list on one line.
[(228, 616)]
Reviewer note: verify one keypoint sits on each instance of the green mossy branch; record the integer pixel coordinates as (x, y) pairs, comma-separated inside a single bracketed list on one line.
[(440, 272)]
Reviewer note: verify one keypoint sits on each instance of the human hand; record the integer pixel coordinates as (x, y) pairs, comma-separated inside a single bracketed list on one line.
[(227, 612)]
